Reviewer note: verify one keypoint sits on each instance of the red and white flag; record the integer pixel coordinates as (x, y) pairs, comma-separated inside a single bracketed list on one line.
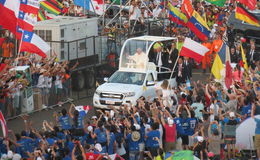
[(34, 44), (27, 16), (83, 108), (9, 10), (228, 77), (97, 6), (3, 124), (193, 50)]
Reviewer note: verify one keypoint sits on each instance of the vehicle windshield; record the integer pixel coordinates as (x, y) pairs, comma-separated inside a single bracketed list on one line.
[(127, 78)]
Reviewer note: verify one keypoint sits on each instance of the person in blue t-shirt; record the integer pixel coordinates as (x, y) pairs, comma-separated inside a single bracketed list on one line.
[(185, 116), (23, 146), (247, 108), (78, 117), (133, 141), (112, 140), (101, 136), (64, 120), (151, 143), (192, 125)]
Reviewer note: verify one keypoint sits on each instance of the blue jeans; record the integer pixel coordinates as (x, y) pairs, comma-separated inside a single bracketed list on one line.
[(134, 155)]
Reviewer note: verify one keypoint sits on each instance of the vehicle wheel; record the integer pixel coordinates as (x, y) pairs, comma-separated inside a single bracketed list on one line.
[(90, 79), (78, 80)]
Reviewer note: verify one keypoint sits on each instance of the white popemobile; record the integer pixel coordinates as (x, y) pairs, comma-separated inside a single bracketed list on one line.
[(137, 75)]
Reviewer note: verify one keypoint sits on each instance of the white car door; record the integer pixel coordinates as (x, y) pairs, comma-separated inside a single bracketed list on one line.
[(149, 86)]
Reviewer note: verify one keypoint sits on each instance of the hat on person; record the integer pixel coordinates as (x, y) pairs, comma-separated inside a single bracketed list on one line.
[(4, 157), (210, 154), (170, 122), (135, 136), (231, 114), (10, 154), (39, 158), (137, 126), (94, 117), (112, 113), (200, 139), (90, 128), (17, 156), (98, 147)]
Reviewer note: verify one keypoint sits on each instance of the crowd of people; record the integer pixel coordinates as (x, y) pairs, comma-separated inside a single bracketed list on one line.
[(201, 116)]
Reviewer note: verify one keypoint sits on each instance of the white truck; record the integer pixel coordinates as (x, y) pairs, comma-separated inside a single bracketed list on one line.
[(74, 39), (137, 76)]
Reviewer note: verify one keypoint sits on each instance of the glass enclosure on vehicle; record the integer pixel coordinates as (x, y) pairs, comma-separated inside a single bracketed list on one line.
[(135, 52), (127, 78)]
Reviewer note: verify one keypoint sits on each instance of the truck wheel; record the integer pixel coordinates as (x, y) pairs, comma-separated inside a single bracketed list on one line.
[(78, 81), (90, 79)]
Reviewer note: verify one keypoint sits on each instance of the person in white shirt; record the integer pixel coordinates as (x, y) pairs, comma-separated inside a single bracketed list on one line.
[(156, 11), (139, 58), (213, 109), (134, 15), (42, 85)]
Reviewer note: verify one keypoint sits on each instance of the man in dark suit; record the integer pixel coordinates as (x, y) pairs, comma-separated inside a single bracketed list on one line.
[(187, 72), (180, 77), (172, 56), (252, 54)]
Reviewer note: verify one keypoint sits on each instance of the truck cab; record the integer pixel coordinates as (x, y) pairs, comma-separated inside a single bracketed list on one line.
[(137, 75)]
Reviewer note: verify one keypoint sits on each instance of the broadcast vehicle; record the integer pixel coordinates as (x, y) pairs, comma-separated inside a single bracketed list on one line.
[(136, 76)]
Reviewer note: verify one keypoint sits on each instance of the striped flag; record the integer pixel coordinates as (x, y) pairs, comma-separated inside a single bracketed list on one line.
[(52, 6), (176, 15), (3, 124), (243, 15)]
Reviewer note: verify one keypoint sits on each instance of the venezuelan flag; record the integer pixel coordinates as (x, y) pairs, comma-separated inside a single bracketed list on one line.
[(176, 15), (52, 6), (197, 25)]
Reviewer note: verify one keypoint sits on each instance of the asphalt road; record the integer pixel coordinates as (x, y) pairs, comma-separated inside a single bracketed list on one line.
[(17, 124)]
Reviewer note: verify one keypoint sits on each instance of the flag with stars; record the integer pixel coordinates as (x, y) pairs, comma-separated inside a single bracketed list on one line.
[(27, 20), (33, 44), (19, 32), (30, 6)]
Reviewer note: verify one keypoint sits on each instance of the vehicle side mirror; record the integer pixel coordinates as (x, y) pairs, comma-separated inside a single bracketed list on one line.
[(105, 79), (150, 83)]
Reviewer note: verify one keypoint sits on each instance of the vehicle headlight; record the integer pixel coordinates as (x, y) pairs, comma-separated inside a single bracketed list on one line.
[(97, 92), (129, 94)]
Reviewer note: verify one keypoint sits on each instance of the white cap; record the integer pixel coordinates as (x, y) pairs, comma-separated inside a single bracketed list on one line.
[(232, 114), (90, 128), (17, 156), (112, 113), (137, 126), (4, 157), (170, 122), (137, 114), (94, 117), (98, 147), (39, 158), (10, 154), (200, 138)]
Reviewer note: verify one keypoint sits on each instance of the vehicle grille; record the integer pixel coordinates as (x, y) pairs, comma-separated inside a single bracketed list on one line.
[(103, 102), (111, 95)]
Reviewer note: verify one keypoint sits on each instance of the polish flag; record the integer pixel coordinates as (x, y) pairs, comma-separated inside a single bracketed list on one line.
[(193, 50), (9, 10), (3, 124), (34, 44)]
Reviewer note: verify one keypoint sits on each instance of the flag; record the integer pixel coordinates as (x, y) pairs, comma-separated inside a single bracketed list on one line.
[(193, 50), (9, 10), (30, 6), (183, 155), (219, 3), (33, 44), (243, 15), (228, 77), (187, 8), (52, 6), (83, 108), (42, 16), (251, 4), (19, 32), (220, 60), (26, 21), (176, 16), (245, 66), (198, 26), (96, 6), (3, 124)]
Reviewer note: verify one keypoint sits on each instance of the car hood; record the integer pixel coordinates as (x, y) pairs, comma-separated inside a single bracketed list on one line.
[(118, 87)]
